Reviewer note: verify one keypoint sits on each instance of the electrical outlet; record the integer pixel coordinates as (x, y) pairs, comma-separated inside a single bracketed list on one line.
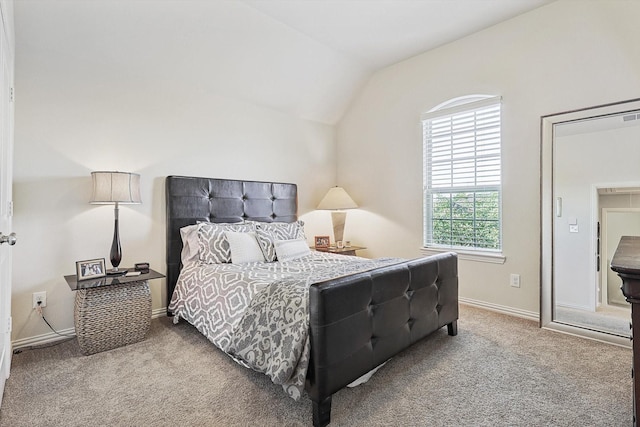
[(39, 297), (515, 280)]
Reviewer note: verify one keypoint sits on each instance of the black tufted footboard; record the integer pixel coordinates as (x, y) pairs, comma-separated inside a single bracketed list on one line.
[(358, 322)]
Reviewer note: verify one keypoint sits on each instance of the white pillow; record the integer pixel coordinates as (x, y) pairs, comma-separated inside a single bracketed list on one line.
[(244, 247), (190, 248), (291, 249)]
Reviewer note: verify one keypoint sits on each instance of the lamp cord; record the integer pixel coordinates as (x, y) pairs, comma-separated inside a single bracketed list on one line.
[(37, 347)]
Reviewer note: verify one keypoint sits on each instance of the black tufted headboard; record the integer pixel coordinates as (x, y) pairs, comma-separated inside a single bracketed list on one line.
[(191, 199)]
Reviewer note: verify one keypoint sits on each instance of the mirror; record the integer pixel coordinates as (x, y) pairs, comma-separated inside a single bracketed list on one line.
[(590, 198)]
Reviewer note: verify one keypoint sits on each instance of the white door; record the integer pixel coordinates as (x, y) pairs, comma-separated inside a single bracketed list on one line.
[(6, 174)]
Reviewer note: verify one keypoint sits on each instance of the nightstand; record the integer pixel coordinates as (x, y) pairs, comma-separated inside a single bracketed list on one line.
[(351, 250), (111, 311)]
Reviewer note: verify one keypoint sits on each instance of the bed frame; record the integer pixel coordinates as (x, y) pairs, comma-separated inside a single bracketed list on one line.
[(356, 322)]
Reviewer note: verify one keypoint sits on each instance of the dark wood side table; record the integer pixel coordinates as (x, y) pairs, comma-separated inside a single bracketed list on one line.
[(111, 311), (626, 262), (351, 250)]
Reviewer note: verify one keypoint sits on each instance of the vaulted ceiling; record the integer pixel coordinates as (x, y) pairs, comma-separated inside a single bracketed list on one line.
[(302, 57)]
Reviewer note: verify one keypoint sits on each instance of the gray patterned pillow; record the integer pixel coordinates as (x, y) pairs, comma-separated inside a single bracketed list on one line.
[(268, 232), (212, 242)]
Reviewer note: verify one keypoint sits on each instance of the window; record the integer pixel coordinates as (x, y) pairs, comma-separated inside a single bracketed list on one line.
[(462, 188)]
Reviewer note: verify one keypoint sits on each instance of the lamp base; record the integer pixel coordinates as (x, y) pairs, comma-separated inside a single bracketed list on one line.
[(116, 252), (338, 218)]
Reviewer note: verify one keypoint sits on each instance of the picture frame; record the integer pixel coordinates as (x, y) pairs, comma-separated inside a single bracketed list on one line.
[(322, 242), (91, 269)]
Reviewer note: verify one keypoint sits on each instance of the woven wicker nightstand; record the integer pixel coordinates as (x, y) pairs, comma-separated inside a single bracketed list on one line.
[(111, 312)]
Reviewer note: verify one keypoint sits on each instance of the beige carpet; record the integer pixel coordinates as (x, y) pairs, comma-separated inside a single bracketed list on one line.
[(498, 371)]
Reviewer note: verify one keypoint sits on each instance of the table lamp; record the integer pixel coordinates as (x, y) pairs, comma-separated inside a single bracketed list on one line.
[(337, 200), (115, 187)]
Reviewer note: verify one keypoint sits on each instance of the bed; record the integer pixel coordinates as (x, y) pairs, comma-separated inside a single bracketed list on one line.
[(356, 314)]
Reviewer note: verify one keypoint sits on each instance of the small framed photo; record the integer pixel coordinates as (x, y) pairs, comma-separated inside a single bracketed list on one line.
[(322, 242), (91, 269)]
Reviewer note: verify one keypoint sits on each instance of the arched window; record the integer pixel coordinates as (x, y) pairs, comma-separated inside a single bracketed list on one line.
[(462, 165)]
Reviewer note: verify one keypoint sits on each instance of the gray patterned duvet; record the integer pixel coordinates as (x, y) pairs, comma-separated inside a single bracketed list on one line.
[(258, 312)]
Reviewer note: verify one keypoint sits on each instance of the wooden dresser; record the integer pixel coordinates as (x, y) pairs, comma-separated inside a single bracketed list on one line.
[(626, 262)]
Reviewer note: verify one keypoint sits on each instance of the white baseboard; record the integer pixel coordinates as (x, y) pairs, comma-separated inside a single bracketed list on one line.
[(525, 314), (575, 307), (52, 337), (43, 339), (160, 312)]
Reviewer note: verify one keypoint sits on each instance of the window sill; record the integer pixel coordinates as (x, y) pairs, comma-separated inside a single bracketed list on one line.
[(478, 256)]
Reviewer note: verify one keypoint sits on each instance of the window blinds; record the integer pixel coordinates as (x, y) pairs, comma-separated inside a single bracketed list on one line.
[(462, 175)]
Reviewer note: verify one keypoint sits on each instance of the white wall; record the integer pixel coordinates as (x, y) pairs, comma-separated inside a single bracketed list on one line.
[(560, 57), (73, 117), (79, 112)]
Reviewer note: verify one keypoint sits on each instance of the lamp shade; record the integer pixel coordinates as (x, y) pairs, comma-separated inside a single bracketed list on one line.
[(115, 187), (337, 199)]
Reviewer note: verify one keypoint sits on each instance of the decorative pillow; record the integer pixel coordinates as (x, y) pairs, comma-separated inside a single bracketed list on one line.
[(291, 249), (212, 243), (269, 232), (190, 247), (244, 247)]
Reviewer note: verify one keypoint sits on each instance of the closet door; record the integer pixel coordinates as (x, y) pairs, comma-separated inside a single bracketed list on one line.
[(6, 174)]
